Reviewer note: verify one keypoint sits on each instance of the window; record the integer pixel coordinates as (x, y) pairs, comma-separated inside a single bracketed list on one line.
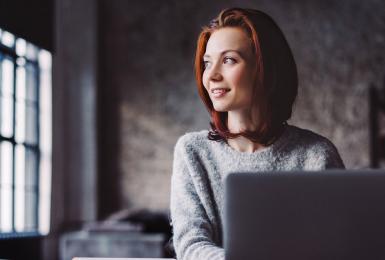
[(25, 137)]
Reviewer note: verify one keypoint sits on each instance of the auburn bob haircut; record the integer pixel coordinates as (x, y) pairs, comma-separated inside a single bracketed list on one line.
[(277, 81)]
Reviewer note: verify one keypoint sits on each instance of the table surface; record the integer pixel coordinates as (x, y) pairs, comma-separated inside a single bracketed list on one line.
[(99, 258)]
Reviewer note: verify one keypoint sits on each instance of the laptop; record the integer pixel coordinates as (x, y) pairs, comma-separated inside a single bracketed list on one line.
[(305, 215)]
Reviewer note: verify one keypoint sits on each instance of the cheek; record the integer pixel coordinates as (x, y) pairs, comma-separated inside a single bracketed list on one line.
[(245, 79), (240, 78), (204, 80)]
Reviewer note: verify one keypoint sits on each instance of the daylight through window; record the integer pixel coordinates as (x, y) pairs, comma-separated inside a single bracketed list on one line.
[(25, 137)]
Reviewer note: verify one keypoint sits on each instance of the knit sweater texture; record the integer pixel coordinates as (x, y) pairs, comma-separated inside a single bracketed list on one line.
[(200, 167)]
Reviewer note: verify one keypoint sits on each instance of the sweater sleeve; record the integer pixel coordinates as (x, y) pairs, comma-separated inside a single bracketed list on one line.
[(192, 231)]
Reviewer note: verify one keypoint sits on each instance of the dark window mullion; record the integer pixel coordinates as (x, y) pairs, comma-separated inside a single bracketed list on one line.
[(1, 103), (32, 147), (34, 63), (8, 51), (14, 57), (37, 163), (8, 139)]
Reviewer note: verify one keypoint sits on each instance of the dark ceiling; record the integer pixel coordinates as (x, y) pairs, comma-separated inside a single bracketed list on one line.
[(32, 20)]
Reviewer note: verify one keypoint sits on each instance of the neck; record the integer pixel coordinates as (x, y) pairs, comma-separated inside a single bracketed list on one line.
[(242, 144), (240, 121)]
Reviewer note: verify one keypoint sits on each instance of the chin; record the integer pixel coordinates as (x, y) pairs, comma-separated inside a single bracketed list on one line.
[(221, 108)]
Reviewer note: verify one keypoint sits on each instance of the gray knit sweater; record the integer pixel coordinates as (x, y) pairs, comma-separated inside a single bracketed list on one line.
[(200, 166)]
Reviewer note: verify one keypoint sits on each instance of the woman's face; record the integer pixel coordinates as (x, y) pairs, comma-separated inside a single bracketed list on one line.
[(229, 74)]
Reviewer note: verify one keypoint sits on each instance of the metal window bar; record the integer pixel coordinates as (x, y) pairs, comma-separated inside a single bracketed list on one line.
[(34, 148), (13, 137)]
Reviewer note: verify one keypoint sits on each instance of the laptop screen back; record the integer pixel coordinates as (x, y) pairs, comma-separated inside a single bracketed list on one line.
[(305, 215)]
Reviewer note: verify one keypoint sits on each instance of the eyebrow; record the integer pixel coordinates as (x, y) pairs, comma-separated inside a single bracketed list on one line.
[(225, 51)]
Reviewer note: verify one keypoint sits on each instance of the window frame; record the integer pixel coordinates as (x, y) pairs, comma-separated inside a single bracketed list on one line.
[(34, 147)]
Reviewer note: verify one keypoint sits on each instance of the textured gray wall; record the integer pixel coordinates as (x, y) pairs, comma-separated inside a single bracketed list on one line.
[(148, 49)]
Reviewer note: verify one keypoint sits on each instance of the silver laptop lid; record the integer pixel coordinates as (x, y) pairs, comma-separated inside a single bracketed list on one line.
[(305, 215)]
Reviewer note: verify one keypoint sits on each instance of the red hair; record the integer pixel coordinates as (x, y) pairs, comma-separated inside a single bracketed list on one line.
[(276, 86)]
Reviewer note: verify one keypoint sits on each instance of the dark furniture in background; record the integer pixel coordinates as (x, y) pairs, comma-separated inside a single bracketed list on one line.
[(377, 126)]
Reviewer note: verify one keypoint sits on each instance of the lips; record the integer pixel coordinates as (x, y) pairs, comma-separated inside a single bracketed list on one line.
[(219, 92)]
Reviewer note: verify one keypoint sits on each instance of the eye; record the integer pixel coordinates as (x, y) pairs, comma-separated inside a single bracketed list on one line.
[(206, 64), (229, 60)]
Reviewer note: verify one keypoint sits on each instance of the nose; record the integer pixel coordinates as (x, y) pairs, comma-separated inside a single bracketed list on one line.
[(214, 73)]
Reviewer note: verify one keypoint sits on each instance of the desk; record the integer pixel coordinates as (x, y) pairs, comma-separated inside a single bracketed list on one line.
[(83, 245), (98, 258)]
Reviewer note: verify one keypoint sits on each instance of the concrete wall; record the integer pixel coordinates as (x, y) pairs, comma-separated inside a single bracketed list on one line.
[(149, 93), (74, 105)]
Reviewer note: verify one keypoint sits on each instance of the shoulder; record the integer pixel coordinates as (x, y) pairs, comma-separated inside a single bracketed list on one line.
[(309, 139), (190, 152), (314, 146), (192, 141)]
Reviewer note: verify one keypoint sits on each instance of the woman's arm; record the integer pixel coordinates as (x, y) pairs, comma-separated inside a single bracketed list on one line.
[(192, 231)]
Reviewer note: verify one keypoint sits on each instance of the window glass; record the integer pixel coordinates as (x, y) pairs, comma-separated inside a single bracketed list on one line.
[(31, 82), (21, 47), (7, 39), (25, 136), (6, 116), (6, 159), (6, 72), (20, 188)]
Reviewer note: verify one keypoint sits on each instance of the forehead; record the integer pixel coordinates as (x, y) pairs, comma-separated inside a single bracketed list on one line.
[(228, 38)]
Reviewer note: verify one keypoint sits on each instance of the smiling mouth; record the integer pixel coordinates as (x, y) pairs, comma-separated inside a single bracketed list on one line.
[(219, 92), (216, 90)]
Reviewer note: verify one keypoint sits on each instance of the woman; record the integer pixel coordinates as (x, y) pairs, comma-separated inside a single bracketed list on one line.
[(247, 78)]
